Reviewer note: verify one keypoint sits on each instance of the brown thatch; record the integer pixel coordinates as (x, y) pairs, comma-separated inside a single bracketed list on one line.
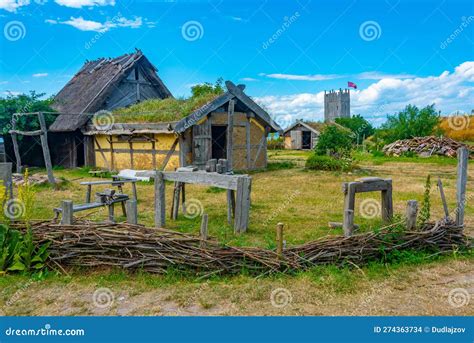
[(90, 89)]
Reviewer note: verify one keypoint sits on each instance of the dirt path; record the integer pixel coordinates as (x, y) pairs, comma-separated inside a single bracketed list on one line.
[(420, 290)]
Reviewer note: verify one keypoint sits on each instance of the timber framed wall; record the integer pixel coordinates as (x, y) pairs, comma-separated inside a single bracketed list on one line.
[(138, 151)]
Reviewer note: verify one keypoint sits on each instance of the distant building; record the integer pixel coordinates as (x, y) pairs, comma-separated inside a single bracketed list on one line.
[(337, 104), (302, 135)]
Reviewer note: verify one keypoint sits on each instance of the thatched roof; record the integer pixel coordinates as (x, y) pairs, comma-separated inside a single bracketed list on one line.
[(88, 90)]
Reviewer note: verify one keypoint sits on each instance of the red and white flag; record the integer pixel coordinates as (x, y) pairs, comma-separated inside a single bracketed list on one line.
[(351, 85)]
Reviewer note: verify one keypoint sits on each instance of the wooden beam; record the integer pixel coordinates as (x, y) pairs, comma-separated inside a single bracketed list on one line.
[(67, 211), (16, 148), (169, 154), (131, 154), (132, 213), (26, 133), (230, 134), (242, 204), (248, 148), (348, 224), (261, 146), (44, 144), (102, 154), (461, 182), (160, 200)]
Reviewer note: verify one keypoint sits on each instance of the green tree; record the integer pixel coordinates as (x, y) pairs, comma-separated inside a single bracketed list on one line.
[(334, 140), (208, 88), (409, 123), (359, 126)]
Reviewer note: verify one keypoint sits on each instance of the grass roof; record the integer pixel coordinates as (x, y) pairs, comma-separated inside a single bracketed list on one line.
[(158, 110)]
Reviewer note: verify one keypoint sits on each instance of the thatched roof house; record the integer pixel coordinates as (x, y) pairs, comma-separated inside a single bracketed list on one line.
[(103, 84), (230, 125)]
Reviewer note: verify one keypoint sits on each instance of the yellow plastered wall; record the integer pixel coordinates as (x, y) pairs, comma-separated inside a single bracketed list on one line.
[(287, 142), (121, 158)]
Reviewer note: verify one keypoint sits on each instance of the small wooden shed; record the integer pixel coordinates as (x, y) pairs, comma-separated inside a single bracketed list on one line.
[(231, 126), (302, 135), (102, 84)]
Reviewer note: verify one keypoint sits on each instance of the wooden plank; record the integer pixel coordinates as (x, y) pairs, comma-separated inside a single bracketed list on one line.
[(44, 144), (443, 198), (67, 211), (160, 204), (175, 205), (411, 213), (26, 133), (169, 154), (461, 183), (242, 206), (348, 224), (387, 204), (230, 205), (230, 134), (102, 154), (248, 148), (89, 151)]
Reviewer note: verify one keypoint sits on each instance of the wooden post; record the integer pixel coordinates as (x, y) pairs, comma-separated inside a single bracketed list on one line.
[(230, 133), (160, 204), (177, 191), (44, 144), (111, 209), (348, 224), (16, 149), (247, 143), (242, 204), (67, 210), (279, 240), (230, 205), (387, 203), (183, 197), (134, 190), (443, 198), (204, 230), (132, 213), (88, 194), (461, 182), (411, 213)]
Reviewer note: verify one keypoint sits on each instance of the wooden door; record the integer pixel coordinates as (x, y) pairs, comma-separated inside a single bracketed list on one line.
[(202, 147)]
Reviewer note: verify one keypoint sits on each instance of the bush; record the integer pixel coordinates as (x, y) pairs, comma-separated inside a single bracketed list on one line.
[(318, 162), (334, 140), (276, 144)]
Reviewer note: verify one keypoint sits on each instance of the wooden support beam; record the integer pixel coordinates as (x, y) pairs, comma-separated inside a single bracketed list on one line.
[(153, 153), (160, 203), (130, 143), (169, 154), (348, 224), (411, 213), (102, 154), (248, 149), (67, 211), (16, 148), (461, 183), (132, 211), (261, 146), (230, 134), (242, 204), (44, 144), (230, 205), (387, 204), (26, 133), (176, 196)]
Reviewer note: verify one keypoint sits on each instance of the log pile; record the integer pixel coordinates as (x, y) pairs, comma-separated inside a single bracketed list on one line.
[(135, 247), (425, 147), (35, 179)]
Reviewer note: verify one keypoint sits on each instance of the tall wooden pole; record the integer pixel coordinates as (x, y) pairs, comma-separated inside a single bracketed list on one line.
[(461, 183), (230, 133), (44, 144)]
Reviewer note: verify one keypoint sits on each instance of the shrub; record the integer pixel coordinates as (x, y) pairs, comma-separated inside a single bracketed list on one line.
[(334, 140), (359, 126), (318, 162)]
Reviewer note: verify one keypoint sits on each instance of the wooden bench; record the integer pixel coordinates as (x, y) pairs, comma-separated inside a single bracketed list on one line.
[(107, 199)]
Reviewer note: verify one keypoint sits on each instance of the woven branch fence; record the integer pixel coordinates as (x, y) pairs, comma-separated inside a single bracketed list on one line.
[(135, 247)]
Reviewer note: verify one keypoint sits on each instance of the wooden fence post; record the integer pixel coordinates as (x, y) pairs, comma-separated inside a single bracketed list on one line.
[(443, 198), (463, 155), (160, 200), (204, 230), (242, 204), (132, 213), (279, 240), (411, 213), (44, 144), (348, 223), (67, 210)]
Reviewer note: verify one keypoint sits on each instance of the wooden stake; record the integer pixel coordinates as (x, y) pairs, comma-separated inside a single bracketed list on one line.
[(463, 155), (279, 240), (348, 224), (443, 198), (160, 204), (132, 213), (67, 210), (411, 213), (204, 231)]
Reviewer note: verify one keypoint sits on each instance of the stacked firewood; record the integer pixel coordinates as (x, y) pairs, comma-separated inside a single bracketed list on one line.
[(425, 147), (135, 247)]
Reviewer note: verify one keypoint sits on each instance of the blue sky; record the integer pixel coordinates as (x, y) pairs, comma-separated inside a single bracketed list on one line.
[(286, 52)]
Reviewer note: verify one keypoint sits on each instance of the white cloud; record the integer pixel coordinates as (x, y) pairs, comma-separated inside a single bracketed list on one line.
[(40, 75), (294, 77), (85, 3), (374, 75), (248, 79), (450, 91), (13, 5), (89, 25)]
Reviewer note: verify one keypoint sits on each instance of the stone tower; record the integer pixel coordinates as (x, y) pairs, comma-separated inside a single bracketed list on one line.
[(337, 104)]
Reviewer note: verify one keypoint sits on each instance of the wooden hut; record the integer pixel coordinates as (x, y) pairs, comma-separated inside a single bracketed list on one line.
[(231, 126), (302, 135), (103, 84)]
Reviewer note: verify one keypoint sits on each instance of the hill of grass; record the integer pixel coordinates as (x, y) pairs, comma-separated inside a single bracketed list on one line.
[(157, 110)]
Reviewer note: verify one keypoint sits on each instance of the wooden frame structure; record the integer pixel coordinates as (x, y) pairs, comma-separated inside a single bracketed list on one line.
[(372, 184), (42, 132), (238, 185)]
